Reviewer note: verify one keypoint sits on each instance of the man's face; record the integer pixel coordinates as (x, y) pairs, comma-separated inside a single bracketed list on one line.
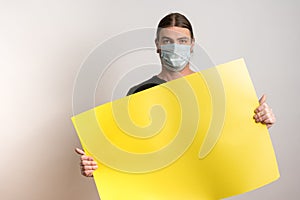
[(174, 34), (174, 59)]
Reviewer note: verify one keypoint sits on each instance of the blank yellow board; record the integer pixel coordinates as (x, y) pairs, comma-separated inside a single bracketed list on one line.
[(191, 138)]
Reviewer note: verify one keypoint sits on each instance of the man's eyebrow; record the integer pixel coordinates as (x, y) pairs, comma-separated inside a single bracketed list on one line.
[(183, 38), (165, 37)]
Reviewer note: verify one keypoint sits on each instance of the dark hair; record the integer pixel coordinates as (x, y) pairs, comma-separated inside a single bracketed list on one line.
[(174, 19)]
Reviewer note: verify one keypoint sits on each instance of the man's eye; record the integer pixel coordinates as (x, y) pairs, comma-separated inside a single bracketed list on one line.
[(166, 41), (183, 41)]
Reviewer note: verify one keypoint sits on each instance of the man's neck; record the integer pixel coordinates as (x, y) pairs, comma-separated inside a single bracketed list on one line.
[(168, 75)]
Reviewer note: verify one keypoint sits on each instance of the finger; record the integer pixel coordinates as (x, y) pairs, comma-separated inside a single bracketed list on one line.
[(79, 151), (260, 114), (256, 118), (86, 167), (89, 163), (86, 158), (270, 120), (262, 107), (263, 99), (265, 118), (87, 173)]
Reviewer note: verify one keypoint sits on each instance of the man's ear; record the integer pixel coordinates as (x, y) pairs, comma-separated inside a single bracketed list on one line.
[(157, 46), (192, 45)]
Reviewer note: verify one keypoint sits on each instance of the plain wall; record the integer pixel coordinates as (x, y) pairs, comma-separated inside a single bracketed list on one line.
[(43, 44)]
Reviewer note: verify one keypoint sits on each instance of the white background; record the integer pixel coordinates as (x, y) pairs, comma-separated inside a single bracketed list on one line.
[(42, 46)]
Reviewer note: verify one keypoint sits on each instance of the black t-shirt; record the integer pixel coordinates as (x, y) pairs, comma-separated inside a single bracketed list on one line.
[(145, 85)]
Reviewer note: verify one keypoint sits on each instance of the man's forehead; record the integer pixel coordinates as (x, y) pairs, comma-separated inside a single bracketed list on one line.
[(174, 31)]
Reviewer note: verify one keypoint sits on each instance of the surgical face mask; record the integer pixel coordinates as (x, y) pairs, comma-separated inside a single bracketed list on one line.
[(175, 56)]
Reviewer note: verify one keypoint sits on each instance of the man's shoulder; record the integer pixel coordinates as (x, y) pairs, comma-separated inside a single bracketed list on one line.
[(151, 82)]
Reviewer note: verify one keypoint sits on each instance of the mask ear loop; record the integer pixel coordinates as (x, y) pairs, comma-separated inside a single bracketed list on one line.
[(192, 52), (192, 48)]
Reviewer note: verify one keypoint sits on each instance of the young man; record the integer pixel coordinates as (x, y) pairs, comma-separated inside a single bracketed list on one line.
[(174, 42)]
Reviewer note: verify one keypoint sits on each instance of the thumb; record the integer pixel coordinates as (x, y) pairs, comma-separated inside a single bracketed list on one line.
[(263, 99), (79, 151)]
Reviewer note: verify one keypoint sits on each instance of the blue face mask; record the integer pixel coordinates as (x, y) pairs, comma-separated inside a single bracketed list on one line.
[(175, 56)]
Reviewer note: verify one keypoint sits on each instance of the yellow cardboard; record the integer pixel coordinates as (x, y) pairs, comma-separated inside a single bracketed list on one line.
[(191, 138)]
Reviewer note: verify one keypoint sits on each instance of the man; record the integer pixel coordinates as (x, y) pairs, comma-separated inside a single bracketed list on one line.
[(174, 42)]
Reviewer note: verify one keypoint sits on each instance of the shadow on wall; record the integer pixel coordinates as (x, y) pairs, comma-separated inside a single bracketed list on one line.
[(47, 167)]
